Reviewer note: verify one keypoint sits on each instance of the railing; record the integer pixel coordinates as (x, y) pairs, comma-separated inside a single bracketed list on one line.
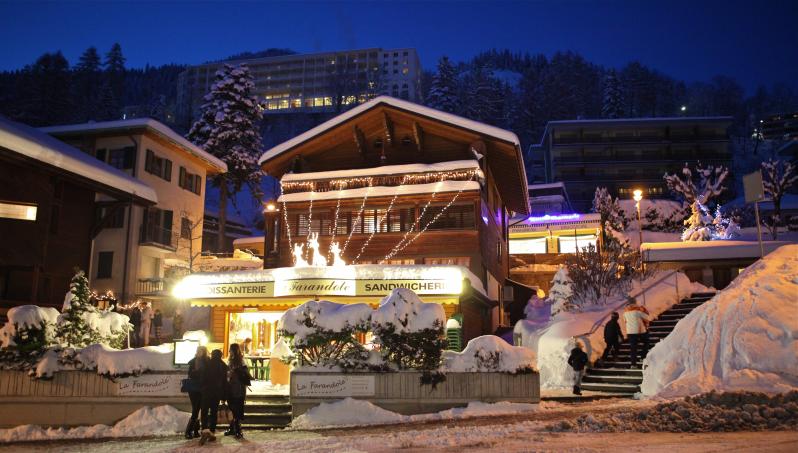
[(155, 234), (641, 139), (640, 292), (154, 285)]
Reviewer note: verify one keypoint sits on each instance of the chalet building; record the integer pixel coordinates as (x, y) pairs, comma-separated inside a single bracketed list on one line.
[(411, 196), (625, 154), (142, 249), (55, 201)]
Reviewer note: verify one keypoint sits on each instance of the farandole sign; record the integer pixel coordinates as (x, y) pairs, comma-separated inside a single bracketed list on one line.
[(323, 287)]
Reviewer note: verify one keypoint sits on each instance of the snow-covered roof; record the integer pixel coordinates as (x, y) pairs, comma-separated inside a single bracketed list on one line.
[(383, 191), (249, 240), (34, 144), (637, 121), (137, 123), (706, 250), (455, 120), (552, 185), (384, 170)]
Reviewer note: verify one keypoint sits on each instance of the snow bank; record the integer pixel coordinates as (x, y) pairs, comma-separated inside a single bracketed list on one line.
[(407, 312), (745, 338), (25, 316), (107, 360), (323, 315), (352, 412), (145, 422), (554, 340), (489, 353), (107, 323)]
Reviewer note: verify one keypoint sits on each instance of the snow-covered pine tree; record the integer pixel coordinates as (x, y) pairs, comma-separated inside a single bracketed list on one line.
[(72, 328), (699, 224), (725, 228), (229, 128), (612, 105), (709, 184), (610, 214), (561, 293), (443, 91), (777, 177), (484, 97), (86, 78), (114, 66)]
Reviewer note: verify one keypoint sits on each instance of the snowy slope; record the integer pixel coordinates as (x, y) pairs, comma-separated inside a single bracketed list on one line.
[(745, 338)]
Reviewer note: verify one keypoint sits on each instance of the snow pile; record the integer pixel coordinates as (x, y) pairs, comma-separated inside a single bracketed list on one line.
[(145, 422), (404, 310), (313, 316), (554, 340), (743, 339), (26, 317), (703, 413), (352, 412), (489, 353), (107, 360), (107, 323), (281, 350)]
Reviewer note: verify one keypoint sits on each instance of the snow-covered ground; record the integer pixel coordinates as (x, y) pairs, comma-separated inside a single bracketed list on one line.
[(554, 340), (745, 338)]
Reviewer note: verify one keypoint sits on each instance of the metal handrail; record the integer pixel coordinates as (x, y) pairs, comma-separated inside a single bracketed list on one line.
[(601, 321)]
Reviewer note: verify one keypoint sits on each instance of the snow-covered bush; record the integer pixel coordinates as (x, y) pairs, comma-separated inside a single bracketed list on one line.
[(490, 353), (708, 185), (409, 331), (777, 177), (699, 224), (322, 333), (29, 331), (657, 218), (596, 276), (742, 339), (725, 227), (611, 216), (105, 360)]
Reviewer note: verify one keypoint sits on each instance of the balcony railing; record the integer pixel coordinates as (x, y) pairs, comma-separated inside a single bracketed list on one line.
[(639, 139), (154, 286), (158, 236)]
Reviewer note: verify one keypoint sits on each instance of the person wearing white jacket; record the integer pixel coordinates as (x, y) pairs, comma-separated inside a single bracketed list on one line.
[(146, 323), (636, 318)]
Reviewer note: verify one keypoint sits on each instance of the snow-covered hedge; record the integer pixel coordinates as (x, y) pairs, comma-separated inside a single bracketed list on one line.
[(742, 339), (409, 331), (29, 328), (489, 353), (106, 361)]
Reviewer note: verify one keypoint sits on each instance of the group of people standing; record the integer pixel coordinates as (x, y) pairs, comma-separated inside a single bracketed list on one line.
[(148, 323), (636, 318), (212, 381)]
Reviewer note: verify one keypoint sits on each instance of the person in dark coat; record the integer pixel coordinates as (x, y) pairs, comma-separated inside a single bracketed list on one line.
[(612, 336), (213, 385), (135, 320), (238, 381), (578, 361), (195, 368)]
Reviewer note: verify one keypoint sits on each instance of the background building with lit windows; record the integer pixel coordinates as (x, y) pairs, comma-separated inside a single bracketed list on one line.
[(625, 154), (317, 82)]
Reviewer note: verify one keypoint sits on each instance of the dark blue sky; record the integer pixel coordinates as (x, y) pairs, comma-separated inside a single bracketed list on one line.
[(755, 41)]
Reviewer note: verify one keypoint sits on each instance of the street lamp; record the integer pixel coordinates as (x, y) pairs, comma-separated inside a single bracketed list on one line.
[(683, 108), (638, 195)]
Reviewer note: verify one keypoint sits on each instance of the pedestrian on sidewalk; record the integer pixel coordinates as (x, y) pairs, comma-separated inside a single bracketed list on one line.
[(612, 337), (214, 384), (578, 361), (157, 323), (636, 318), (195, 368), (146, 323), (239, 379)]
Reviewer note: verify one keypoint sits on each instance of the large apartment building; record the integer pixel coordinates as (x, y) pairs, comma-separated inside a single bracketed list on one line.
[(317, 82), (625, 154), (140, 249)]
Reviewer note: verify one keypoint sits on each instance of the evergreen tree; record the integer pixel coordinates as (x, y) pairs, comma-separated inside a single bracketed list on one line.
[(114, 67), (229, 128), (612, 106), (561, 292), (87, 77), (73, 330), (699, 224), (107, 105), (610, 215), (443, 91), (484, 97), (46, 98)]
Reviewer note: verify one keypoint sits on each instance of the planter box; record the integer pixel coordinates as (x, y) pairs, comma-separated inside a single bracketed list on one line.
[(74, 398), (403, 392)]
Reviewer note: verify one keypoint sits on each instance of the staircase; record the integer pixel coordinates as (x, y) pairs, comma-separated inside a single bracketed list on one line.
[(264, 412), (614, 376)]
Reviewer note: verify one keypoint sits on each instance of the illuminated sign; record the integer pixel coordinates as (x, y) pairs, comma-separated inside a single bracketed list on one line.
[(553, 218), (319, 287)]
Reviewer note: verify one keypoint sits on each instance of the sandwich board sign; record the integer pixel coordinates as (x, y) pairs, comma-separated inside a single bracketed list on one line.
[(753, 187)]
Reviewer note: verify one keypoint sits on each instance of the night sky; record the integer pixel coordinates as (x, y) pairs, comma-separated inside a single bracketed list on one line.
[(755, 41)]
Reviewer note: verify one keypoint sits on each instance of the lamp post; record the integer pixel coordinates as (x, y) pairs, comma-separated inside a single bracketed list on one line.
[(270, 226), (638, 197)]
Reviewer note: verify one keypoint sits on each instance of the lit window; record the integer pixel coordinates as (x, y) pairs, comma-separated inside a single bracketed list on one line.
[(569, 244), (528, 246), (327, 101), (284, 103), (405, 70), (18, 211)]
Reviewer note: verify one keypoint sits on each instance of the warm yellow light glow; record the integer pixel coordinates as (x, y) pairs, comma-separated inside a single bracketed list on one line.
[(638, 194), (17, 211), (271, 207)]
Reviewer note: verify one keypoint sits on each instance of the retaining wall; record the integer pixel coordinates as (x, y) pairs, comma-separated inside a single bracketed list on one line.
[(403, 392), (73, 398)]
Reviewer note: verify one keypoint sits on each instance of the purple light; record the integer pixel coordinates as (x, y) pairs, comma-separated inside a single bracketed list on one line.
[(553, 218), (485, 219)]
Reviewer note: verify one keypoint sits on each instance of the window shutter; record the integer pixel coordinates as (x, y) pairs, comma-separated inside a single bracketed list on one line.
[(167, 220), (197, 184), (102, 154), (182, 180), (148, 161), (167, 170)]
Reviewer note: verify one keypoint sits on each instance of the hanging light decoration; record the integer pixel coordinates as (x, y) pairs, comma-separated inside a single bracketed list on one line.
[(379, 224), (359, 216)]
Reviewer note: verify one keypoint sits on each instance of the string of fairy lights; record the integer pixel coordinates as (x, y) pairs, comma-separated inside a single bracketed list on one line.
[(342, 184), (380, 221)]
